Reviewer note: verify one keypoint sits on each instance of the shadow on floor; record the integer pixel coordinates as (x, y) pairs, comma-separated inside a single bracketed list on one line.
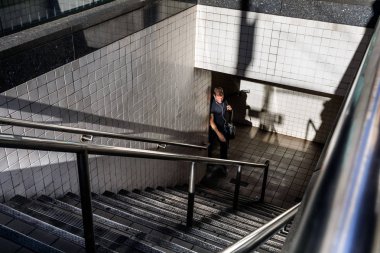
[(292, 162)]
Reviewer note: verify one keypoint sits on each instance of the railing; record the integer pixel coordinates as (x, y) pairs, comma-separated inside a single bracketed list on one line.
[(263, 233), (83, 150), (88, 134)]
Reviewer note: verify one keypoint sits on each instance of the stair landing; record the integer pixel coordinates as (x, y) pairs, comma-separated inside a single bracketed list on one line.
[(292, 162)]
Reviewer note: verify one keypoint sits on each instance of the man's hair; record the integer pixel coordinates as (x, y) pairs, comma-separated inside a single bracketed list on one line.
[(218, 91)]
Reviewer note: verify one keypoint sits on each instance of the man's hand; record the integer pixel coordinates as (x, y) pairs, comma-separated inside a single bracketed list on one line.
[(229, 108), (220, 136)]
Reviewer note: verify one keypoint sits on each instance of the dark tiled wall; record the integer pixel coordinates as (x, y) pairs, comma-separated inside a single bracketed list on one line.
[(349, 12), (36, 51), (18, 15)]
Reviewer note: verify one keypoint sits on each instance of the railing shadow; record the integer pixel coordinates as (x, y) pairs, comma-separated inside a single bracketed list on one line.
[(54, 174), (53, 114), (328, 123)]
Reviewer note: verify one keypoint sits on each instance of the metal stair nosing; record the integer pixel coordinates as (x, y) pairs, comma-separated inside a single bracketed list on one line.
[(157, 226), (223, 212), (120, 240), (26, 241), (244, 201), (200, 221), (254, 209), (136, 210), (62, 222), (242, 217), (198, 214), (123, 204), (134, 233), (182, 197), (273, 242), (9, 210), (202, 211), (142, 205), (269, 248), (211, 202), (254, 212), (276, 240), (162, 220)]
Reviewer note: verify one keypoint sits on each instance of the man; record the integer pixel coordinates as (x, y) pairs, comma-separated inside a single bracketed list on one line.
[(218, 110)]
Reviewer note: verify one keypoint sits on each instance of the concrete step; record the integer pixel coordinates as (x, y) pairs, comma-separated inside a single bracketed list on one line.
[(254, 206), (73, 224), (165, 221), (14, 241), (243, 200), (209, 205), (42, 231), (204, 212), (205, 223), (252, 212), (199, 213), (151, 221), (153, 227), (121, 229)]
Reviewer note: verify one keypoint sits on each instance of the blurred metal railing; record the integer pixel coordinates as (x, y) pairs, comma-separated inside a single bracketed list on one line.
[(84, 150), (263, 233)]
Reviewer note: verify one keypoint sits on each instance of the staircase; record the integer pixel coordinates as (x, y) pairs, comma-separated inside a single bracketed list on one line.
[(153, 220)]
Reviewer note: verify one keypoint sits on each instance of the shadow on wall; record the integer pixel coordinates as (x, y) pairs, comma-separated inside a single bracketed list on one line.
[(33, 175), (238, 100), (53, 176), (45, 113), (266, 116), (246, 40), (336, 102), (245, 58), (231, 84)]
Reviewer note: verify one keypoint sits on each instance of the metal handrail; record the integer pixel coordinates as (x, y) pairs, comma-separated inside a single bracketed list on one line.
[(339, 211), (261, 234), (83, 150), (66, 129), (24, 142)]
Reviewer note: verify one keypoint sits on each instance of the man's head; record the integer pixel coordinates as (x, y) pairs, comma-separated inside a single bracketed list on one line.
[(218, 94)]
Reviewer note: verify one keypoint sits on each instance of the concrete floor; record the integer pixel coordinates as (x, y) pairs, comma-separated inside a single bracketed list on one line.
[(292, 162)]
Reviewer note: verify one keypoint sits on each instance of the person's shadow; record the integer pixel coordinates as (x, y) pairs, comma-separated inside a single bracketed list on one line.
[(246, 40), (331, 107)]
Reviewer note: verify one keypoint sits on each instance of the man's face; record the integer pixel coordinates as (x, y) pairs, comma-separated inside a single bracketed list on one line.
[(219, 98)]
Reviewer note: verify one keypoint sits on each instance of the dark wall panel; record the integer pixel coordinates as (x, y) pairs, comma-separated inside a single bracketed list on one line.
[(349, 12), (60, 42)]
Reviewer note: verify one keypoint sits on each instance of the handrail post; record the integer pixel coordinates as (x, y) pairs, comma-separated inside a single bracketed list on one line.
[(264, 185), (190, 199), (237, 188), (85, 196)]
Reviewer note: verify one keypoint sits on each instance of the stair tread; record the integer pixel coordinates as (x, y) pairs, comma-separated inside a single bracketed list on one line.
[(147, 221), (37, 230)]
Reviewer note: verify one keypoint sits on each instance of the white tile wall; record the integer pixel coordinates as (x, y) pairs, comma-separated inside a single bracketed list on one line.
[(143, 85), (311, 55), (290, 112), (300, 53)]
